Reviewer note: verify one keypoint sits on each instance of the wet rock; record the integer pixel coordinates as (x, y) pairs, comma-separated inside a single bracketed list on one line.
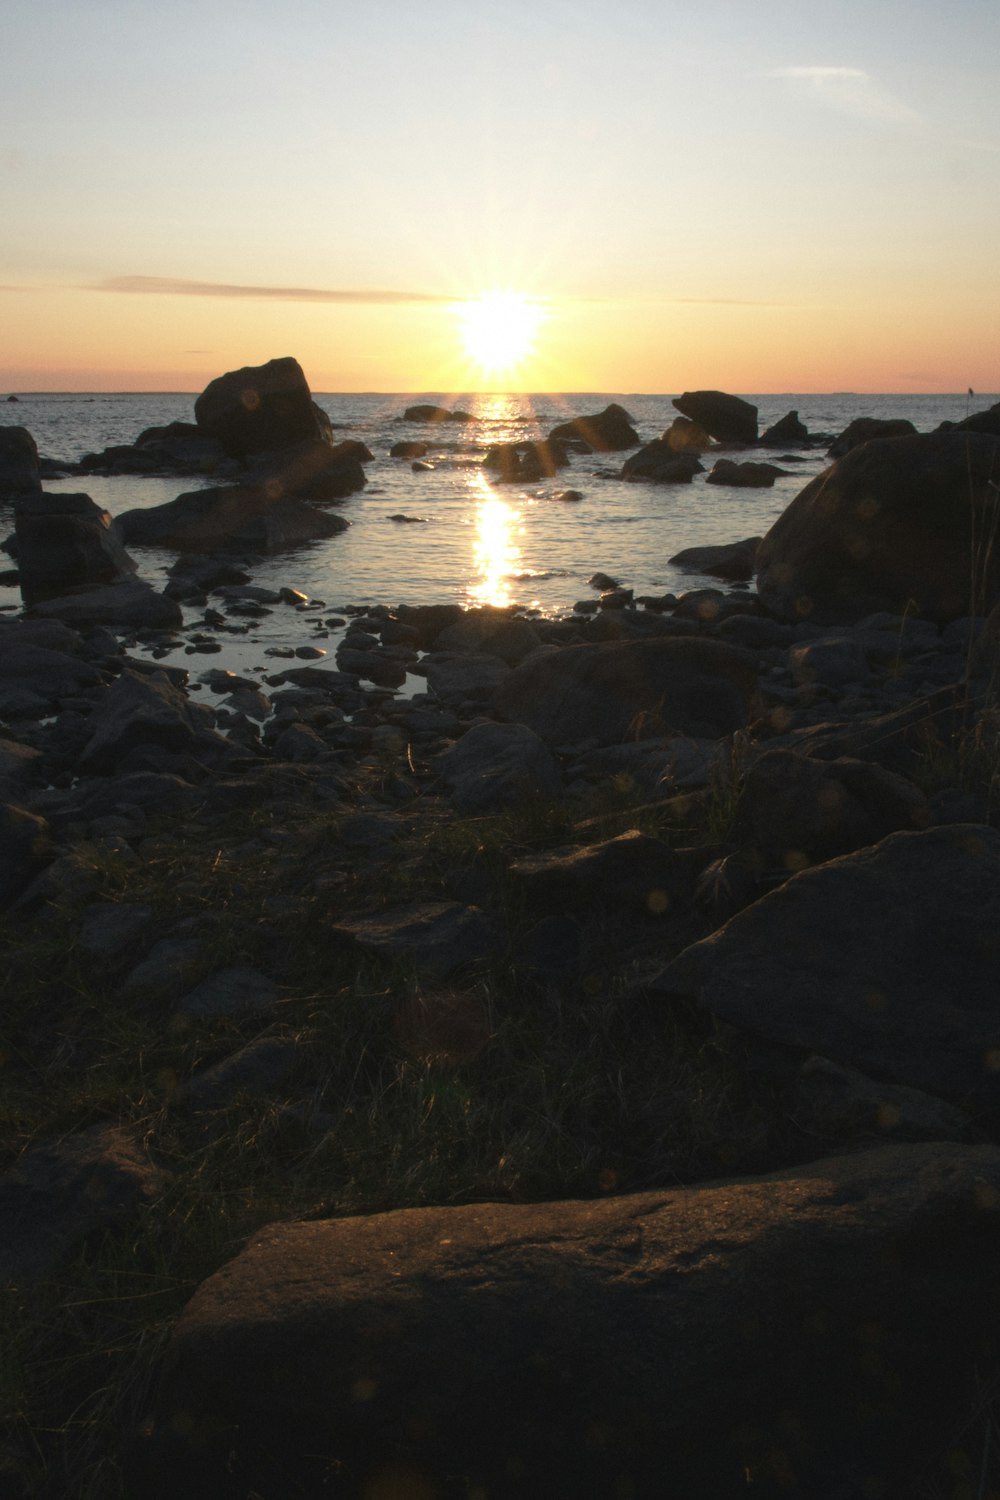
[(134, 606), (138, 711), (685, 436), (494, 632), (408, 450), (314, 470)]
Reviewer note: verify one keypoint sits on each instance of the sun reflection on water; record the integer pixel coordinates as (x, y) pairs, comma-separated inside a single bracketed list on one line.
[(495, 553)]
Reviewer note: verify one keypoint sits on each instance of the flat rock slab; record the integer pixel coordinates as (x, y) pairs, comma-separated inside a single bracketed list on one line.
[(437, 937), (61, 1193), (810, 1333), (124, 604), (886, 960)]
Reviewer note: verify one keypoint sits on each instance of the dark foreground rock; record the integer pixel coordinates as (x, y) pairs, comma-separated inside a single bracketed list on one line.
[(884, 960), (900, 524), (817, 1332), (134, 605), (866, 430)]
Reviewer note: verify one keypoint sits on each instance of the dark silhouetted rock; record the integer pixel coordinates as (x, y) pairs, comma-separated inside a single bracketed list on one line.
[(312, 471), (259, 407), (66, 542), (139, 711), (659, 463), (884, 960), (133, 605), (497, 766), (900, 524), (229, 518), (19, 472), (408, 450), (607, 431), (789, 432), (25, 850), (727, 418), (685, 436), (866, 429), (980, 421), (798, 811), (618, 690), (744, 476), (816, 1332), (526, 463), (428, 412), (735, 560)]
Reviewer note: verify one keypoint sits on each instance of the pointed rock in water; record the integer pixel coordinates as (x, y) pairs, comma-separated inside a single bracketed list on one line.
[(785, 433), (606, 431)]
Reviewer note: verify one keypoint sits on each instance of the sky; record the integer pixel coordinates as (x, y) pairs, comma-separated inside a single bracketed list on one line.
[(784, 196)]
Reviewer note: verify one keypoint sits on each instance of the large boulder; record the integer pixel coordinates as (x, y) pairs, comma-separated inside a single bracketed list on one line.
[(884, 960), (819, 1332), (735, 560), (607, 431), (900, 524), (259, 407), (230, 518), (866, 430), (525, 463), (64, 543), (616, 690), (727, 418), (19, 473)]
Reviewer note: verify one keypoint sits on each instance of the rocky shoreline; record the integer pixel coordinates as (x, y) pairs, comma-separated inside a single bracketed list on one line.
[(739, 845)]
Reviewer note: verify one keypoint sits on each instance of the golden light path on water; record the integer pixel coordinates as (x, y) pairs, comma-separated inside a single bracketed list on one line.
[(495, 552)]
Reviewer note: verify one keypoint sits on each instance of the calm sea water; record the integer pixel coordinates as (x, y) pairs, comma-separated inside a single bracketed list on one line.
[(475, 541)]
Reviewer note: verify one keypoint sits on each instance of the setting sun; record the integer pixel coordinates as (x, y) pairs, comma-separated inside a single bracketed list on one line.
[(498, 330)]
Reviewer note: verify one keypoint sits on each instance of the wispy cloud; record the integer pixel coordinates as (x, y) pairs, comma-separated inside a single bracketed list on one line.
[(174, 286), (852, 91)]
